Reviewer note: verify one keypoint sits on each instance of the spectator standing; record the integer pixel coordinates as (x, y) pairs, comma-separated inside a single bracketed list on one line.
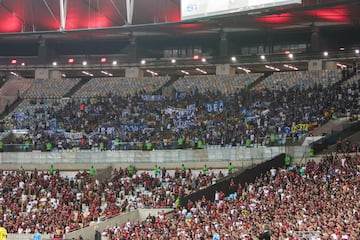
[(156, 171), (3, 231), (183, 168), (97, 234), (52, 170), (21, 170), (117, 144), (92, 171), (27, 145), (205, 170), (48, 146), (180, 142), (37, 235), (131, 170), (230, 168)]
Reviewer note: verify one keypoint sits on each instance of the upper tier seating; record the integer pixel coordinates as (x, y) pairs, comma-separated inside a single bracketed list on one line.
[(120, 86), (54, 88)]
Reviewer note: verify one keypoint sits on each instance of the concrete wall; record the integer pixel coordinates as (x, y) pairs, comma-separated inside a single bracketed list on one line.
[(215, 157)]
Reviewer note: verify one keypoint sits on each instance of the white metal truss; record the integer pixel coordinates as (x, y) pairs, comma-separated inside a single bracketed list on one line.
[(63, 12), (130, 11)]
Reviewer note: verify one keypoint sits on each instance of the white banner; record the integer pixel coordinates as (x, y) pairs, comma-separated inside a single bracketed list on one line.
[(191, 9)]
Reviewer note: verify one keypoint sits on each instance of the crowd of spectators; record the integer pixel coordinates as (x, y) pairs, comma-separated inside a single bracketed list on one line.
[(50, 201), (316, 200), (246, 118)]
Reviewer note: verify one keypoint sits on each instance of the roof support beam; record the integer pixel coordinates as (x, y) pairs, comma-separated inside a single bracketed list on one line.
[(130, 10), (50, 11), (119, 12), (63, 12)]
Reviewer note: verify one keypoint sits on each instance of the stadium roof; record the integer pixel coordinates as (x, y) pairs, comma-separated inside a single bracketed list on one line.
[(100, 21), (155, 17)]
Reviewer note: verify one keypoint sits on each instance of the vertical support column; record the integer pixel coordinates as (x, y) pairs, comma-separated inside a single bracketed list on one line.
[(315, 39), (63, 12), (225, 69), (54, 75), (134, 72), (129, 11), (43, 55), (41, 74), (132, 49), (315, 65), (224, 45)]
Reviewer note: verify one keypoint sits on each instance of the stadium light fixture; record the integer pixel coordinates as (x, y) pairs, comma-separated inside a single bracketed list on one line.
[(107, 73), (357, 51), (203, 60), (291, 56), (103, 60), (152, 72), (326, 54), (87, 73), (291, 67), (173, 60), (244, 69), (22, 64), (196, 57), (71, 60), (233, 59), (341, 49), (185, 72), (84, 63), (143, 62), (13, 61), (54, 64), (262, 57), (200, 70), (114, 63), (272, 68)]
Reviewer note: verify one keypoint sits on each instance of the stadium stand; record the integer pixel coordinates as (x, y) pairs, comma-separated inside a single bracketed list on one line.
[(68, 201), (258, 115), (311, 201), (300, 79)]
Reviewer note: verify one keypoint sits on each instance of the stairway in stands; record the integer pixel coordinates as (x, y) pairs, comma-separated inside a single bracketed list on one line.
[(259, 80), (8, 109), (173, 78), (73, 90), (344, 78)]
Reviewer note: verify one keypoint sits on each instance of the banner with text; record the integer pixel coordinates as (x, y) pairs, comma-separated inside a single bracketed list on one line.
[(217, 106), (132, 127), (180, 112), (152, 97)]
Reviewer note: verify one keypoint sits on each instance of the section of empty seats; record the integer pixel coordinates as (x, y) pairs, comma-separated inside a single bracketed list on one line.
[(299, 79), (225, 84), (120, 86), (12, 89), (53, 88)]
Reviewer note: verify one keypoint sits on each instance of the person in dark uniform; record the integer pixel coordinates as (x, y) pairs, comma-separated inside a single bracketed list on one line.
[(97, 234), (266, 233)]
